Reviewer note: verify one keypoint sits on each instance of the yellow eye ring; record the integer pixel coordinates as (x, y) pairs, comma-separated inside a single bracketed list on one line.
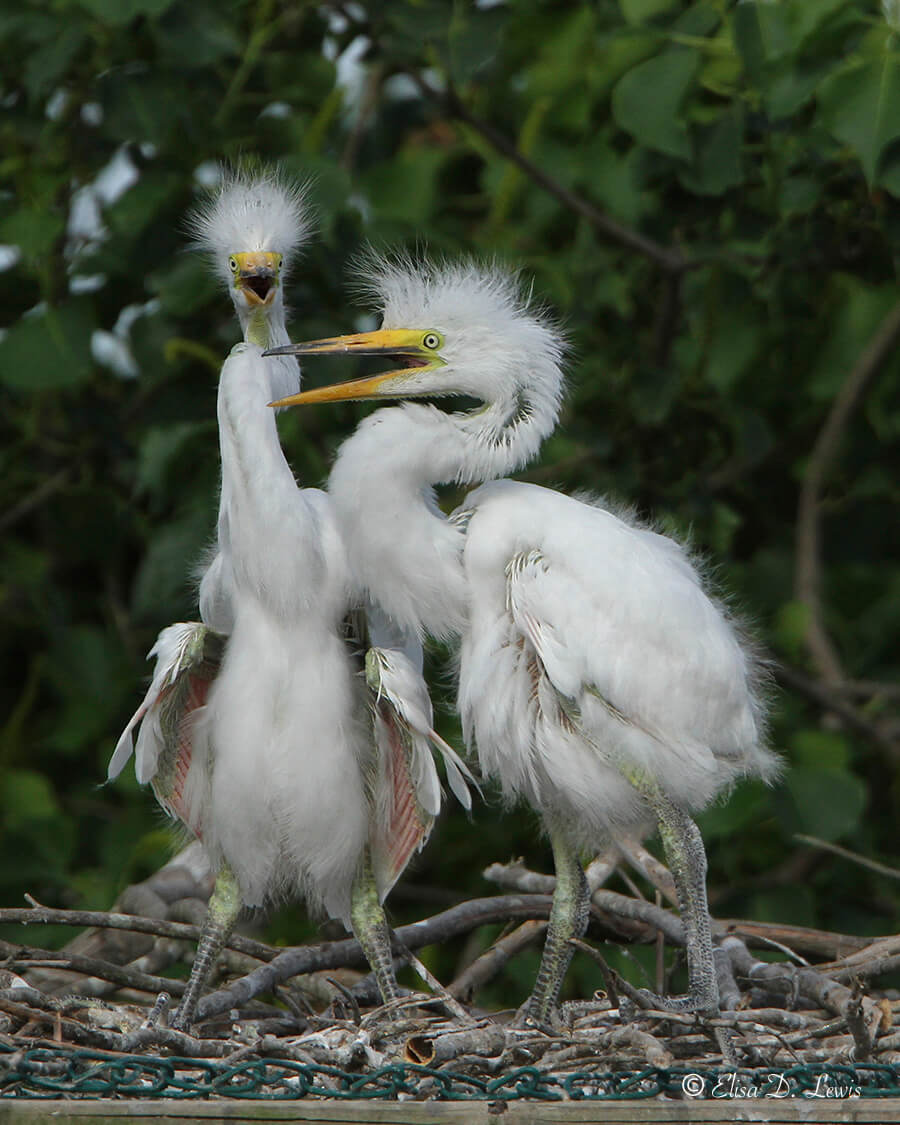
[(431, 340), (233, 264)]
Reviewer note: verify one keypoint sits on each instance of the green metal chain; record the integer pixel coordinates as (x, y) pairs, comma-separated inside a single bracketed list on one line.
[(47, 1073)]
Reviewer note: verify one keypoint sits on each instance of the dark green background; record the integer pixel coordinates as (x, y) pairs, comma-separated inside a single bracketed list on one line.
[(754, 145)]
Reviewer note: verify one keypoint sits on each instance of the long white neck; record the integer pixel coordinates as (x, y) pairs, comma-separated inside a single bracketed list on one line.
[(405, 554), (268, 529)]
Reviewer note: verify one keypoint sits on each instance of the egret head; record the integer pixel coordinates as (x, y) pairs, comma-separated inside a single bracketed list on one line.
[(251, 228), (456, 328)]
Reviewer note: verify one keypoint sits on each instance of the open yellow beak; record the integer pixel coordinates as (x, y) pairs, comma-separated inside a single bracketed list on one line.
[(256, 275), (404, 343)]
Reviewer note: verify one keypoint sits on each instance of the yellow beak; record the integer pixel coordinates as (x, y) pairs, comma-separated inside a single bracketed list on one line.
[(257, 275), (403, 342)]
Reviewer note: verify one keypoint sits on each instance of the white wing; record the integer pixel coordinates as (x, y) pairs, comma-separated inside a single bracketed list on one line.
[(623, 630), (406, 791), (188, 656)]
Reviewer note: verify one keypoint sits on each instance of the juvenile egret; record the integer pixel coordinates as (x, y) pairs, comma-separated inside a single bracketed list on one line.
[(254, 731), (597, 679)]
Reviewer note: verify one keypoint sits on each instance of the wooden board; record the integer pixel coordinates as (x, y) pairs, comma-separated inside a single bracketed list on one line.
[(775, 1111)]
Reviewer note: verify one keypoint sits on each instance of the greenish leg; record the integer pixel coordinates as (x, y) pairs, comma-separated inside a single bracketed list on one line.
[(224, 908), (371, 930), (686, 856), (568, 919)]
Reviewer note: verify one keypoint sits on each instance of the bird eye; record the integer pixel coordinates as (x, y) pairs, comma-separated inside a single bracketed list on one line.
[(233, 264), (431, 340)]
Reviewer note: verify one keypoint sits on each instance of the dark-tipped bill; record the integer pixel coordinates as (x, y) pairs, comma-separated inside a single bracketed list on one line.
[(256, 275), (403, 343)]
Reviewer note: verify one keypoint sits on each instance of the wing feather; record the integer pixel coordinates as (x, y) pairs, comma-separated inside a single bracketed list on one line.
[(188, 657), (407, 790)]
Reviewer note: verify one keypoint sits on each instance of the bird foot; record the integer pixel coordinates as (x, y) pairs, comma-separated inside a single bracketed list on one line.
[(641, 999), (530, 1018)]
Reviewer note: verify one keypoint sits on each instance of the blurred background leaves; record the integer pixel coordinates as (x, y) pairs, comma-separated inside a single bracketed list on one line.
[(707, 195)]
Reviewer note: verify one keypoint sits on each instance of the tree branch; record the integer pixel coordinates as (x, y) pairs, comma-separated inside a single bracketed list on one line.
[(336, 954), (45, 915), (808, 563), (671, 260), (828, 698)]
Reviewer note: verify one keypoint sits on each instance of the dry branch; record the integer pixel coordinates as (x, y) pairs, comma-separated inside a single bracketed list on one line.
[(808, 562)]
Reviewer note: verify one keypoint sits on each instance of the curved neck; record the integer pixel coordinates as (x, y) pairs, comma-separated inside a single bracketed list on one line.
[(268, 529), (406, 555)]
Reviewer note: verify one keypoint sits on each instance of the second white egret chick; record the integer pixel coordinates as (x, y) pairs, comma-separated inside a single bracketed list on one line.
[(254, 732), (597, 679)]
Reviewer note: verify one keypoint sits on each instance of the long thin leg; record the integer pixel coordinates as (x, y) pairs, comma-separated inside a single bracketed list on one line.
[(224, 908), (371, 930), (686, 857), (568, 919)]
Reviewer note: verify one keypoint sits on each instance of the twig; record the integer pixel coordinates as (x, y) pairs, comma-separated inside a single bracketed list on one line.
[(644, 862), (808, 562), (856, 1021), (671, 260), (124, 976), (829, 994), (34, 499), (127, 1043), (879, 956), (485, 967), (46, 915), (487, 1041), (829, 700), (449, 1001), (854, 857), (610, 983), (305, 959)]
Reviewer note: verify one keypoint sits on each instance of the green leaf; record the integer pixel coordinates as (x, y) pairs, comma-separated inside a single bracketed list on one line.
[(829, 802), (159, 448), (718, 164), (47, 65), (90, 677), (473, 41), (642, 11), (118, 13), (734, 345), (48, 350), (403, 190), (183, 285), (791, 627), (194, 37), (166, 574), (817, 748), (133, 211), (860, 105), (855, 309), (34, 230), (26, 796), (147, 106), (745, 806), (620, 51), (646, 102)]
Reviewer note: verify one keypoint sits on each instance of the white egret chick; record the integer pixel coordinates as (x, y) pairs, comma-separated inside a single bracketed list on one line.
[(255, 732), (598, 681)]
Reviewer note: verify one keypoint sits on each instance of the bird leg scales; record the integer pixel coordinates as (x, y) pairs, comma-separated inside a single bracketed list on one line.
[(568, 919), (224, 908), (371, 930), (686, 856)]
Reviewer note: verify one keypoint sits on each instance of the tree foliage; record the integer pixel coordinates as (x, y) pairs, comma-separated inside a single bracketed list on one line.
[(706, 193)]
